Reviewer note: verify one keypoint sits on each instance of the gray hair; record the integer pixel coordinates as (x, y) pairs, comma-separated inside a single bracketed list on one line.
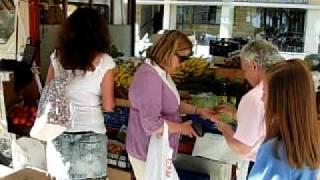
[(262, 52)]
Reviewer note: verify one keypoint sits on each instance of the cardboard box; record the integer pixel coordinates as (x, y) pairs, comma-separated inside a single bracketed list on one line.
[(118, 174), (37, 174), (27, 174)]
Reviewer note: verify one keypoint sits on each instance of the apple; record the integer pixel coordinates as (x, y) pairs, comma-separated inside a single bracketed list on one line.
[(16, 120)]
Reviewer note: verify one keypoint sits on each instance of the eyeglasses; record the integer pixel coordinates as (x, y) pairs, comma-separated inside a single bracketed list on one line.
[(182, 58)]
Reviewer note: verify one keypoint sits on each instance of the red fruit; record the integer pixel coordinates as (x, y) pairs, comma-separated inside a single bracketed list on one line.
[(29, 124), (16, 120), (32, 119), (15, 110), (18, 113), (34, 114), (25, 115), (33, 109), (23, 121), (25, 108)]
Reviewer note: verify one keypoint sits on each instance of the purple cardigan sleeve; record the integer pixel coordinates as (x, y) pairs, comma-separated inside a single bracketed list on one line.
[(146, 97)]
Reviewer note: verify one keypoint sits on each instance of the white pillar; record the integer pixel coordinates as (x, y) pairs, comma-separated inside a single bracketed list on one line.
[(173, 17), (312, 32), (166, 16), (226, 21), (118, 14)]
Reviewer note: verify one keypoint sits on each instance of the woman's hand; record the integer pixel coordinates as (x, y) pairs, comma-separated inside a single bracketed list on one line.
[(186, 129), (205, 112), (222, 127), (229, 110)]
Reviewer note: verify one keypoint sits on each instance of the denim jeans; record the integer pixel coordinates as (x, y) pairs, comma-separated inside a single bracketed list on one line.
[(80, 155)]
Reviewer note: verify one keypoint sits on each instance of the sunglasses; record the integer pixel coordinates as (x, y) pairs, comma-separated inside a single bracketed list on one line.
[(182, 58)]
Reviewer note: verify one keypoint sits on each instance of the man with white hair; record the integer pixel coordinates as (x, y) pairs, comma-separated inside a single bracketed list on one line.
[(256, 57)]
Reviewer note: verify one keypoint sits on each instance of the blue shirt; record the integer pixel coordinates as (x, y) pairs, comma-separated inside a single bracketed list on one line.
[(268, 167)]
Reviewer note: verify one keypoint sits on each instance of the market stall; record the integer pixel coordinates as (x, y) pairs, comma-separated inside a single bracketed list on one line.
[(204, 82), (201, 83)]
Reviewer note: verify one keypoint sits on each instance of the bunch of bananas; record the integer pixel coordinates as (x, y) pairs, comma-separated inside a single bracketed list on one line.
[(124, 75), (195, 67)]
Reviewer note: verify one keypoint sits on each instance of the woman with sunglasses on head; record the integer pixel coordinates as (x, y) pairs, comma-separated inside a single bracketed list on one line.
[(154, 99), (291, 149)]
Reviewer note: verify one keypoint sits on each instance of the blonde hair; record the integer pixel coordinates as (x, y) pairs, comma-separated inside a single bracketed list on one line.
[(166, 47), (291, 115), (262, 52)]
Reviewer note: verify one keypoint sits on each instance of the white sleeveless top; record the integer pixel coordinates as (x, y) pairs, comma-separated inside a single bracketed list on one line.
[(84, 92)]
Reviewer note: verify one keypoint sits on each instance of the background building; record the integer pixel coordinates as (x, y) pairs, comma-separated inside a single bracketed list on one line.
[(292, 25)]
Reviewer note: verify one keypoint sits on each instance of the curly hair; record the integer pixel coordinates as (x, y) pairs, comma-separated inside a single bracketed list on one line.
[(83, 36)]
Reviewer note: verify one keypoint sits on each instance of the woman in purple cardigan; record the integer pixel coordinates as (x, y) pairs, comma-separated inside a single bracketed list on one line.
[(154, 99)]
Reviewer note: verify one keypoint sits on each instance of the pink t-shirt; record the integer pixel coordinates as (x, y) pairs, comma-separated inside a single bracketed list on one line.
[(251, 128)]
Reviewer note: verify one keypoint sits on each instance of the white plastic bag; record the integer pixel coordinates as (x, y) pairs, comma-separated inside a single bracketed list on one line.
[(159, 165), (28, 152)]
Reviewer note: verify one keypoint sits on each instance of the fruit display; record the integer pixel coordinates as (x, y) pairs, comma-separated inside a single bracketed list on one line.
[(193, 68), (117, 155), (115, 147), (21, 119), (123, 78), (226, 118), (205, 100), (23, 116), (124, 75)]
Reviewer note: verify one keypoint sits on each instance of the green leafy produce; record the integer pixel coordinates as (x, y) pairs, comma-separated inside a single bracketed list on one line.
[(226, 118), (114, 53), (237, 81), (205, 100)]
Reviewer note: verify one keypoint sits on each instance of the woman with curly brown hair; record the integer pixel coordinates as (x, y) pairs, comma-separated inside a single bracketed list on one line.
[(80, 152)]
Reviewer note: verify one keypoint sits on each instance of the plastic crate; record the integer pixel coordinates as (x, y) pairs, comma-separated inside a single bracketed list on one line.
[(119, 161), (117, 118), (117, 155)]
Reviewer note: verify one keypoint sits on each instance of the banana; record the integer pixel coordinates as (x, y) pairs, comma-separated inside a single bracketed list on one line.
[(197, 74)]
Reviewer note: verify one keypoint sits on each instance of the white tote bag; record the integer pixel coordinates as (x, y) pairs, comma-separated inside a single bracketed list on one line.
[(159, 165), (55, 111)]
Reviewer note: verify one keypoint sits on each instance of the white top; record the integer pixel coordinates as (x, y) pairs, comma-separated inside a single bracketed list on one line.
[(84, 92), (251, 129), (166, 78)]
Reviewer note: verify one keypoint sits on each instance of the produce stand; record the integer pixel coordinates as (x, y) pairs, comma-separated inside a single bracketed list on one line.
[(198, 73)]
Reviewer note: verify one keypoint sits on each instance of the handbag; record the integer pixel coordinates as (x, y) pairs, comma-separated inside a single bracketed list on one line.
[(55, 111)]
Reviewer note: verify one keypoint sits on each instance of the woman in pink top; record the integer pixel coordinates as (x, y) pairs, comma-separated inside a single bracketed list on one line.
[(256, 57)]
